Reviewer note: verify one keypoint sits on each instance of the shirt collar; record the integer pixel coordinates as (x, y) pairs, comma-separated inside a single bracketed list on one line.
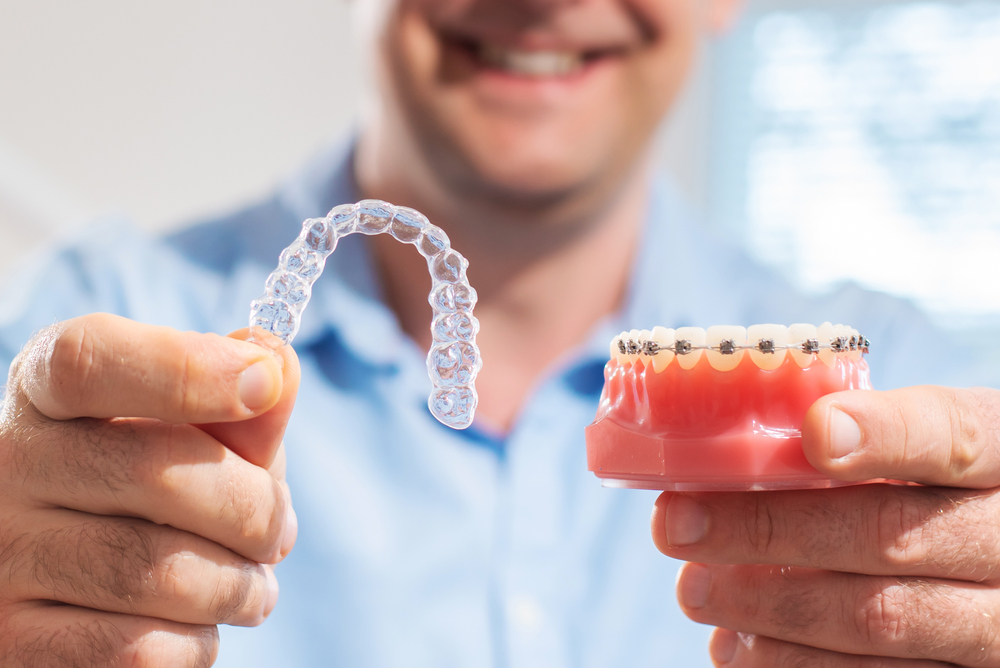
[(658, 291)]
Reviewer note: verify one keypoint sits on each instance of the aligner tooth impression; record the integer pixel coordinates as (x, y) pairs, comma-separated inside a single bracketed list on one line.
[(453, 361)]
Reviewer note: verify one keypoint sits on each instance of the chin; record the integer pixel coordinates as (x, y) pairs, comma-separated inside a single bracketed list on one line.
[(528, 174), (528, 161)]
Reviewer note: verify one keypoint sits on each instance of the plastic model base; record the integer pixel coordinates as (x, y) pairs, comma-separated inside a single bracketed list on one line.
[(735, 463), (702, 429)]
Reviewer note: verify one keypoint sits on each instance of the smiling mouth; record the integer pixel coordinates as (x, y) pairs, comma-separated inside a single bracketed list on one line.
[(530, 63)]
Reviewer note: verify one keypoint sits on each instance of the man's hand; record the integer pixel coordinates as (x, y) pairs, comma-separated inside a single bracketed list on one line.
[(127, 533), (868, 576)]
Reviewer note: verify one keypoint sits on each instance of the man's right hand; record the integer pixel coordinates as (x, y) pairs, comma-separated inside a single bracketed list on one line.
[(126, 532)]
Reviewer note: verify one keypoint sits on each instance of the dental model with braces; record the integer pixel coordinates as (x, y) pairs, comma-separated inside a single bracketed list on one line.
[(453, 361), (767, 344), (728, 414)]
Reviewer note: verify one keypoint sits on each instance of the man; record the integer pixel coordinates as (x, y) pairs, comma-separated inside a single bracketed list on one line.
[(523, 129)]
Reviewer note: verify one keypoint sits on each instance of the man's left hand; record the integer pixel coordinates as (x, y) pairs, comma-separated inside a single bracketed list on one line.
[(874, 575)]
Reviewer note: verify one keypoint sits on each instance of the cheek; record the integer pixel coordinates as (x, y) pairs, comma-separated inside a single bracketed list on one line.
[(412, 53)]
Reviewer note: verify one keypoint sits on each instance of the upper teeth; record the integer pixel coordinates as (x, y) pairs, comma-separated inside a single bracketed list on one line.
[(531, 63), (725, 346)]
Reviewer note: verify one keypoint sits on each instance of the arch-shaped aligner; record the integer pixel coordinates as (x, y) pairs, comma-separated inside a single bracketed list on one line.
[(453, 361)]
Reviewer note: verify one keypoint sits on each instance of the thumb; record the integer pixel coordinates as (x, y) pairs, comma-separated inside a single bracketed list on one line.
[(257, 439)]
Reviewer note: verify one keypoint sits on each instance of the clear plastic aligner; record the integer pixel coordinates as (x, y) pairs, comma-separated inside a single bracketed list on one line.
[(725, 346), (453, 361)]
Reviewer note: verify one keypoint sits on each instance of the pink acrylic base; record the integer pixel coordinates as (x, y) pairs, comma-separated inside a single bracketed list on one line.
[(739, 463), (708, 430)]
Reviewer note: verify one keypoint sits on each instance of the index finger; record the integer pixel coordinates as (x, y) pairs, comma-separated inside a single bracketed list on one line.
[(105, 366), (930, 435)]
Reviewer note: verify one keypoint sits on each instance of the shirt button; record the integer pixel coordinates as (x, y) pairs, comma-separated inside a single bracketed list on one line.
[(525, 613)]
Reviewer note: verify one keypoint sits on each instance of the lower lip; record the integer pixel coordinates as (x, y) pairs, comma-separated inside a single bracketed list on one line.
[(707, 430)]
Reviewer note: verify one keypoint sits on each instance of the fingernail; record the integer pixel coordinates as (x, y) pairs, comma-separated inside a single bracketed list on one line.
[(692, 585), (257, 385), (845, 435), (723, 646), (272, 589), (291, 530), (686, 521)]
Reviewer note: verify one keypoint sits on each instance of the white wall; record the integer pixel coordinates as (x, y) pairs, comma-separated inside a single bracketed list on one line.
[(167, 111), (161, 110)]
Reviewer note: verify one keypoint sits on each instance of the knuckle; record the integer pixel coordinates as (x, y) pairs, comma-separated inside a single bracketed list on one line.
[(24, 377), (922, 620), (967, 440), (901, 531), (174, 577), (234, 597), (881, 616), (896, 431), (186, 391), (758, 524), (276, 519), (196, 648), (71, 361), (239, 597), (190, 365), (257, 505)]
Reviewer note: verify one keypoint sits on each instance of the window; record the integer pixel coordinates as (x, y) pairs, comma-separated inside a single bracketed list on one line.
[(861, 141)]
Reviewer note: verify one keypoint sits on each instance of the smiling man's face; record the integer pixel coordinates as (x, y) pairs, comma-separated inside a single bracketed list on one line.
[(535, 99)]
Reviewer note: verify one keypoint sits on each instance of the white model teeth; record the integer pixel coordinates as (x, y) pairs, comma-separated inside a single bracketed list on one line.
[(647, 359), (633, 353), (825, 333), (664, 339), (531, 63), (802, 332), (725, 346), (619, 348), (855, 352), (767, 356), (692, 339)]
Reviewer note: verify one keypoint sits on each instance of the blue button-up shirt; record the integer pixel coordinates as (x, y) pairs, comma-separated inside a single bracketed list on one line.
[(419, 545)]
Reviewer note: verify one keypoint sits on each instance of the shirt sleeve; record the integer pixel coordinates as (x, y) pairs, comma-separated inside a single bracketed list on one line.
[(109, 267)]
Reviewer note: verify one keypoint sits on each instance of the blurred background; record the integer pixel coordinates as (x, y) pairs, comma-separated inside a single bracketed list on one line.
[(847, 140)]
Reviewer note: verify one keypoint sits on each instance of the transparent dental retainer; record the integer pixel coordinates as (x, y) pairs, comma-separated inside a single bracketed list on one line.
[(718, 410), (453, 361)]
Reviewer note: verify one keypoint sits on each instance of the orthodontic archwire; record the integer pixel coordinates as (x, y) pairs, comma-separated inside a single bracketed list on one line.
[(839, 344)]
